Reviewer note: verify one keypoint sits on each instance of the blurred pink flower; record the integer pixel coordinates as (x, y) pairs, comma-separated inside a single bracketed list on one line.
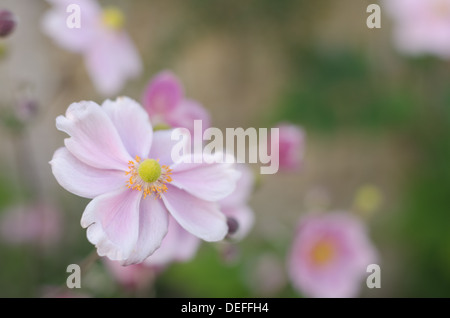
[(421, 27), (133, 277), (165, 102), (110, 56), (39, 224), (291, 146), (330, 255), (114, 157), (235, 206)]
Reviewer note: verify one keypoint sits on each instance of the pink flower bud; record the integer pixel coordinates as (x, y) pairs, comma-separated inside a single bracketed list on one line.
[(8, 23)]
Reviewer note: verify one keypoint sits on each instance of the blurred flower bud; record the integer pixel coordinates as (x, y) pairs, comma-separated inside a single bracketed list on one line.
[(233, 225), (26, 105), (7, 23), (291, 145), (27, 108)]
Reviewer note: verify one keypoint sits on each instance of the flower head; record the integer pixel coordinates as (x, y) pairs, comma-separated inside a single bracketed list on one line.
[(114, 158), (110, 56), (291, 146), (330, 255), (421, 27), (8, 23), (165, 103)]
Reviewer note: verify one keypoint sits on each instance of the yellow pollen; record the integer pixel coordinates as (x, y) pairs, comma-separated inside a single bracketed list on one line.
[(148, 176), (113, 18), (322, 253)]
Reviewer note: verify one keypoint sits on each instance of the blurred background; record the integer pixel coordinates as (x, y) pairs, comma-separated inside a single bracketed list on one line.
[(372, 117)]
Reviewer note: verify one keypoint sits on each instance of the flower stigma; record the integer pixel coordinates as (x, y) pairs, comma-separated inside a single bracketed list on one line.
[(148, 176)]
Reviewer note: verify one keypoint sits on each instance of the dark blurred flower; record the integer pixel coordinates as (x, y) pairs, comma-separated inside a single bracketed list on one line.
[(8, 23), (39, 224), (166, 104), (330, 255), (110, 56), (421, 27)]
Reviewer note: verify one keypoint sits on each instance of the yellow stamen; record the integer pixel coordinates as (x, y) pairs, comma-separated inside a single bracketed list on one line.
[(148, 176)]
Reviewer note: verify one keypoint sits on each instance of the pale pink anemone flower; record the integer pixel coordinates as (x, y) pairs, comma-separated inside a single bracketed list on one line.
[(114, 157), (109, 54), (166, 104), (421, 26), (35, 224), (235, 206), (291, 146), (330, 255)]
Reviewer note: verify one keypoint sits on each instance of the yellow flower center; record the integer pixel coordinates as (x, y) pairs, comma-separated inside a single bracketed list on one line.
[(149, 170), (323, 253), (148, 176), (113, 18)]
